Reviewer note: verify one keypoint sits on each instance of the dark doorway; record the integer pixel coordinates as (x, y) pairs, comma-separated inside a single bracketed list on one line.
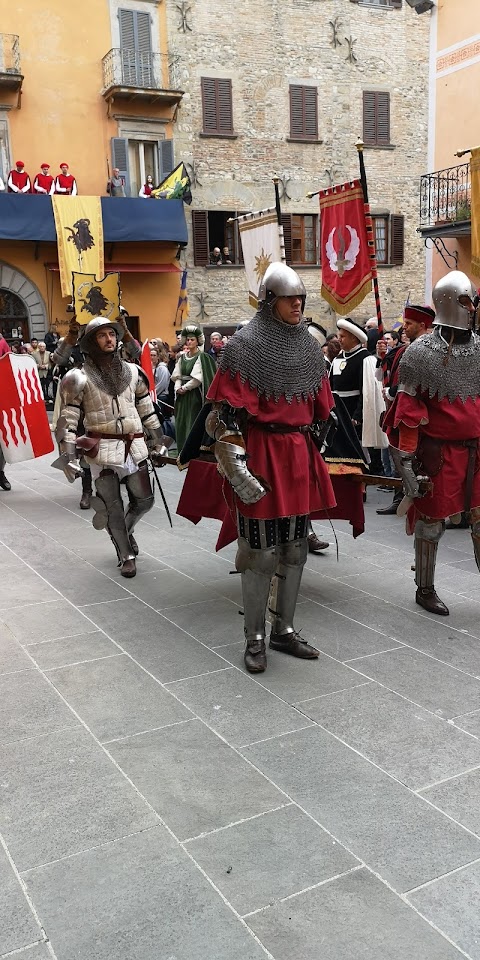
[(13, 317)]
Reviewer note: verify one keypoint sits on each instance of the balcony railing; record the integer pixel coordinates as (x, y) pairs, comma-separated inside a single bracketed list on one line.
[(10, 69), (133, 70), (445, 197)]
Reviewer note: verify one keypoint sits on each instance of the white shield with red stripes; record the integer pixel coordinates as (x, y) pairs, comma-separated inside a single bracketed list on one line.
[(24, 428)]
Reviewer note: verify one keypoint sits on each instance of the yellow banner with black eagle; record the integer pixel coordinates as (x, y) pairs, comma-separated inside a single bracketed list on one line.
[(79, 226)]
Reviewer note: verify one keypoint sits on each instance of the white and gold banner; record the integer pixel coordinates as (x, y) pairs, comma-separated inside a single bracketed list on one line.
[(262, 244)]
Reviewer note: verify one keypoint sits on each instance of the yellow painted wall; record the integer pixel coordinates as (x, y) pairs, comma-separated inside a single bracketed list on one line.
[(63, 117), (457, 20)]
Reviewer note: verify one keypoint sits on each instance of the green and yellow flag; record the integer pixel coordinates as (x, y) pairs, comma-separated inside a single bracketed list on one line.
[(175, 187)]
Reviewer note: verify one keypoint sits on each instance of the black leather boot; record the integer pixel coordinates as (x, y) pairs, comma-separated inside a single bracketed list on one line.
[(4, 483), (428, 598), (255, 655)]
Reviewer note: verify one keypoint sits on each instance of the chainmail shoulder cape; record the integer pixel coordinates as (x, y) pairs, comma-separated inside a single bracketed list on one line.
[(112, 377), (278, 359), (430, 365)]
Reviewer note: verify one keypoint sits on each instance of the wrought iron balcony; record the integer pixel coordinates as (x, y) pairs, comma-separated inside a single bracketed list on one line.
[(445, 202), (132, 74), (10, 70)]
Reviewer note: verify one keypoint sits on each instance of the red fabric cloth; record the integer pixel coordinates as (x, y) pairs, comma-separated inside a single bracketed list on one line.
[(4, 348), (205, 494), (289, 462), (42, 180), (66, 182), (19, 180), (448, 422)]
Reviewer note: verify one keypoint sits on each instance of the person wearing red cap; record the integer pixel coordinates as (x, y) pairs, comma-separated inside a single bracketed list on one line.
[(65, 182), (417, 320), (44, 182), (18, 179)]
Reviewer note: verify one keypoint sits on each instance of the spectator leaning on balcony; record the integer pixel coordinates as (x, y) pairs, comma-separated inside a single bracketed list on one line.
[(65, 182), (116, 184), (146, 190), (44, 182), (18, 179)]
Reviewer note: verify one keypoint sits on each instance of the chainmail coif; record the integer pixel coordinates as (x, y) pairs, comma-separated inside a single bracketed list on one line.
[(111, 374), (433, 366), (278, 359)]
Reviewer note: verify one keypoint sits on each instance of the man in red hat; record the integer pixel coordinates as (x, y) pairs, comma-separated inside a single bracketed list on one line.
[(65, 182), (44, 182), (417, 320), (18, 179)]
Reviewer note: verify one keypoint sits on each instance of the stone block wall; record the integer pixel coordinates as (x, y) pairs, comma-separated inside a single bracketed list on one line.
[(263, 46)]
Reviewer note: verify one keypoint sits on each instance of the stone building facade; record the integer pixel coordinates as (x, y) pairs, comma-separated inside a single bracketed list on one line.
[(342, 49)]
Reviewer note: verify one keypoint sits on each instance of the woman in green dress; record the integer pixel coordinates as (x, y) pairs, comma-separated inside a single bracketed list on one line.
[(193, 374)]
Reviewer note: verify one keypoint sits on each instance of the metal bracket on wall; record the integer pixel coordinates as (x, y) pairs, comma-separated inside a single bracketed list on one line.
[(444, 252)]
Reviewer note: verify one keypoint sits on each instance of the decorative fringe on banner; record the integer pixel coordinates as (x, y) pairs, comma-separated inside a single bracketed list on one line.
[(79, 226), (475, 210)]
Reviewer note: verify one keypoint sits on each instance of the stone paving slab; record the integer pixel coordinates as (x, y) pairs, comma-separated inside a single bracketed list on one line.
[(294, 779)]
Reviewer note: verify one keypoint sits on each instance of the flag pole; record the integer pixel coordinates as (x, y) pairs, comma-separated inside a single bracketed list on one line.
[(370, 235), (276, 181)]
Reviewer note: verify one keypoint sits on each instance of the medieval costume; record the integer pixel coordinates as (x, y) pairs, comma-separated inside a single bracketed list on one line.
[(114, 398), (146, 190), (18, 180), (44, 183), (434, 429), (346, 374), (192, 376), (65, 182), (270, 390)]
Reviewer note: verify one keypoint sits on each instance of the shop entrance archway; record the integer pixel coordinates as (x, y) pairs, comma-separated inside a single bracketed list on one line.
[(22, 302)]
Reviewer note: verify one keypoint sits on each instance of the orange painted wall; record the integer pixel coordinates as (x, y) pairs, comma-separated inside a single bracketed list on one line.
[(457, 123), (64, 117)]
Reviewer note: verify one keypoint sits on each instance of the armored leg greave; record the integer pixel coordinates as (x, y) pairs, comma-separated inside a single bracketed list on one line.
[(140, 495), (427, 536), (257, 568), (291, 561), (108, 489), (474, 520)]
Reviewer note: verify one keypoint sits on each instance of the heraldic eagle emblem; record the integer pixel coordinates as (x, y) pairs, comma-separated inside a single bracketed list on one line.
[(344, 259)]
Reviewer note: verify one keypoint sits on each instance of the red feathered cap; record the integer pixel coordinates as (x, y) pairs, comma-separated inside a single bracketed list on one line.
[(64, 165), (19, 163), (419, 314)]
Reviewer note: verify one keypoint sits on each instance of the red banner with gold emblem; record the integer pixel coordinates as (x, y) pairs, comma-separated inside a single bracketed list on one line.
[(345, 255)]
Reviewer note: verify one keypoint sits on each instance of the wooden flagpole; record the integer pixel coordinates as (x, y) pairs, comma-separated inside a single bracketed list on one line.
[(370, 235), (276, 181)]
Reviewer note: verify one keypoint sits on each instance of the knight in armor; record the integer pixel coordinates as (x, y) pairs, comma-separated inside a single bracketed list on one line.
[(433, 427), (114, 398), (270, 390)]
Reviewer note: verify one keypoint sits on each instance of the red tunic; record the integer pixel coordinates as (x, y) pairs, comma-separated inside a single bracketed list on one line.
[(66, 184), (445, 421), (289, 462), (43, 183), (18, 182)]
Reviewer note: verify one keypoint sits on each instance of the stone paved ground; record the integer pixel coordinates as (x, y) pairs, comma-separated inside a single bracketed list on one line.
[(157, 803)]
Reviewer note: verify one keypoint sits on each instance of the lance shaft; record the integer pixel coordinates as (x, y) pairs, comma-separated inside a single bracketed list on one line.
[(370, 236)]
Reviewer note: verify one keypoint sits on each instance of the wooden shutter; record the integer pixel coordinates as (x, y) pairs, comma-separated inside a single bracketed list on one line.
[(376, 118), (303, 112), (397, 233), (120, 159), (165, 158), (136, 47), (286, 221), (200, 237), (217, 105)]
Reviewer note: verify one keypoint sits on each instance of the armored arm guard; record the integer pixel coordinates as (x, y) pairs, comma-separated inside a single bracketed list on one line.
[(231, 455), (404, 464), (150, 422), (71, 393)]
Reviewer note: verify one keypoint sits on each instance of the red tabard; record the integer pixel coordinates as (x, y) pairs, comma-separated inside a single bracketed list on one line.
[(19, 179), (445, 421), (289, 462), (66, 182), (44, 181)]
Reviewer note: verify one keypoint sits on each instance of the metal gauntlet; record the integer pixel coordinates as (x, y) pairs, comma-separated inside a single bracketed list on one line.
[(230, 453), (232, 464), (404, 464), (159, 444), (68, 460)]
